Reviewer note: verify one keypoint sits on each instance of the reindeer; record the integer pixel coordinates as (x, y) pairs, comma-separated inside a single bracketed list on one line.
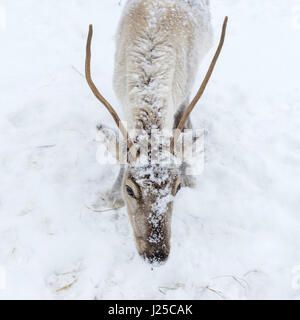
[(160, 44)]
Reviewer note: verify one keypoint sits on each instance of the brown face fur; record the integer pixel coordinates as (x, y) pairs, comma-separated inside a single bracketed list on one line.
[(149, 194)]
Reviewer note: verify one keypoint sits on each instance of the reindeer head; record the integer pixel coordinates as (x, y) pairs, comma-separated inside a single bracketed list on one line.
[(152, 179), (152, 172)]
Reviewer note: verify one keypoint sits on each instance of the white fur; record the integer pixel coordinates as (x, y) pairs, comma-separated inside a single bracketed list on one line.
[(159, 46)]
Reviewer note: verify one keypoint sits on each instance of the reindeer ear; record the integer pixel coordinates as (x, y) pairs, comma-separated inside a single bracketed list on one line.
[(110, 143)]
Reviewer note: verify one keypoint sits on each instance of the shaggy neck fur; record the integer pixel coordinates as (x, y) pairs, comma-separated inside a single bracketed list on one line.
[(157, 58)]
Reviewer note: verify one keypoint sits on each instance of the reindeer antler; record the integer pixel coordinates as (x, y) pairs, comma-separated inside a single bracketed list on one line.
[(200, 91), (99, 96)]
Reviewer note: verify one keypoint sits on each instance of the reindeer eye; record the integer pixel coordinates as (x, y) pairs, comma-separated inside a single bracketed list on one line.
[(178, 188), (130, 191)]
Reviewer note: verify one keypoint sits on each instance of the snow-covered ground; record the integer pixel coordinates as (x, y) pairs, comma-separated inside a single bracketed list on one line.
[(236, 236)]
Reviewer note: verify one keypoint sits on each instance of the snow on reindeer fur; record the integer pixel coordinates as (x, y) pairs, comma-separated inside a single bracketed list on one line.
[(164, 41)]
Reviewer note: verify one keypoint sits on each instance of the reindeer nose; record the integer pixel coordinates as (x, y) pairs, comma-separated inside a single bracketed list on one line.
[(158, 257), (153, 254)]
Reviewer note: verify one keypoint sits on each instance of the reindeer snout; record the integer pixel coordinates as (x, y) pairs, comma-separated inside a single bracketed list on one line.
[(153, 253), (156, 255), (159, 256)]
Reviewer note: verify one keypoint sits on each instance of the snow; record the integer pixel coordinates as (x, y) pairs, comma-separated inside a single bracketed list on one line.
[(235, 236)]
